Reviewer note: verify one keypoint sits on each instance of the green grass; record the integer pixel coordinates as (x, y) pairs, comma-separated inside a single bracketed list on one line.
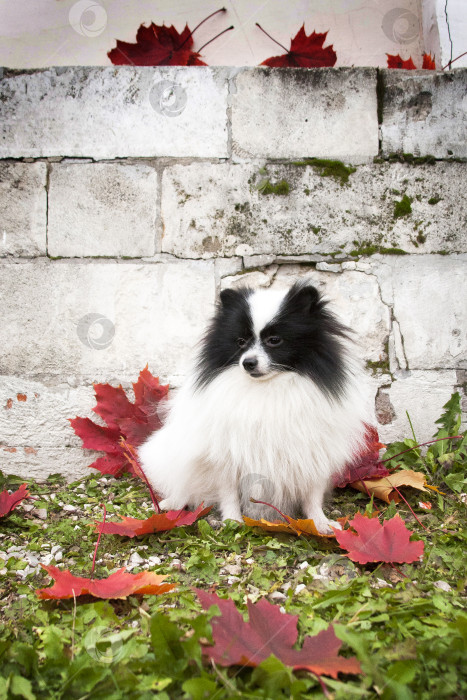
[(408, 633)]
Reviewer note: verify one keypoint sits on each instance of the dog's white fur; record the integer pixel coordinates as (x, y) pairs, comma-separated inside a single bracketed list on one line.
[(279, 432)]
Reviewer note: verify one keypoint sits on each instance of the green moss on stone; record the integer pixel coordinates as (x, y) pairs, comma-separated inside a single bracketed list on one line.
[(403, 208), (281, 188), (434, 200), (367, 248), (329, 168)]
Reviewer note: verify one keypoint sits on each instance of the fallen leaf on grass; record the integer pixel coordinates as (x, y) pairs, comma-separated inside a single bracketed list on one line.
[(366, 464), (305, 52), (159, 522), (297, 526), (132, 421), (369, 541), (120, 584), (385, 488), (9, 501), (240, 643)]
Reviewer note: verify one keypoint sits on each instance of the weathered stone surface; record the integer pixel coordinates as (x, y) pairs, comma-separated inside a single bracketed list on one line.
[(114, 112), (36, 413), (38, 463), (425, 113), (102, 209), (423, 395), (323, 112), (211, 210), (355, 298), (23, 209), (102, 321), (428, 296)]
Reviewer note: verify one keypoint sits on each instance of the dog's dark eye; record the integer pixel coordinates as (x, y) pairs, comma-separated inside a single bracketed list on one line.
[(273, 341), (242, 342)]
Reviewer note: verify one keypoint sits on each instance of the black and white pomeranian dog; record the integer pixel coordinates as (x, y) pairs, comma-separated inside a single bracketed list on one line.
[(277, 400)]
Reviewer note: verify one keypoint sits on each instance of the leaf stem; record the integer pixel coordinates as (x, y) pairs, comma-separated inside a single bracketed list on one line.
[(289, 520), (272, 38), (429, 442), (409, 506), (448, 65), (130, 453), (97, 543), (199, 25), (215, 37)]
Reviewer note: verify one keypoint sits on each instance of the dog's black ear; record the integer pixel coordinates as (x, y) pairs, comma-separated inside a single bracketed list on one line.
[(229, 297), (305, 297)]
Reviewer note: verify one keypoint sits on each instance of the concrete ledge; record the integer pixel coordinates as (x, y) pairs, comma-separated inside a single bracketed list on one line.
[(102, 209), (23, 209), (425, 113), (114, 112), (297, 112)]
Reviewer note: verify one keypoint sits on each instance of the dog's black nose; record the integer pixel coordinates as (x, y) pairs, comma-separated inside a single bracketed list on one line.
[(250, 363)]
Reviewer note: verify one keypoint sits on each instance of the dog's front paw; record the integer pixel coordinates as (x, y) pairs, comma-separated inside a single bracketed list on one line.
[(171, 504), (324, 526), (232, 514)]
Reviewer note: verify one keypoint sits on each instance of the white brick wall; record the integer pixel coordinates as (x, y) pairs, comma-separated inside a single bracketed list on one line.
[(163, 173)]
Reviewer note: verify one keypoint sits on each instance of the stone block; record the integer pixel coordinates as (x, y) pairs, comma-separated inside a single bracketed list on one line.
[(102, 321), (428, 296), (112, 112), (35, 413), (221, 209), (23, 209), (102, 209), (422, 395), (356, 300), (297, 112), (425, 113), (39, 462)]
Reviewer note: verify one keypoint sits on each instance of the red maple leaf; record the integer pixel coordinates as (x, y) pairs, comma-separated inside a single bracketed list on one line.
[(159, 522), (269, 631), (367, 464), (9, 501), (398, 62), (157, 46), (370, 541), (305, 52), (133, 422), (120, 584), (428, 62)]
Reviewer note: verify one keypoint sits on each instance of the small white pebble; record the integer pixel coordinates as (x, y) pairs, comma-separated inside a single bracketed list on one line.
[(443, 585), (135, 560), (304, 565), (69, 508), (282, 609), (233, 569), (250, 560), (299, 588), (232, 579), (154, 561), (277, 595)]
